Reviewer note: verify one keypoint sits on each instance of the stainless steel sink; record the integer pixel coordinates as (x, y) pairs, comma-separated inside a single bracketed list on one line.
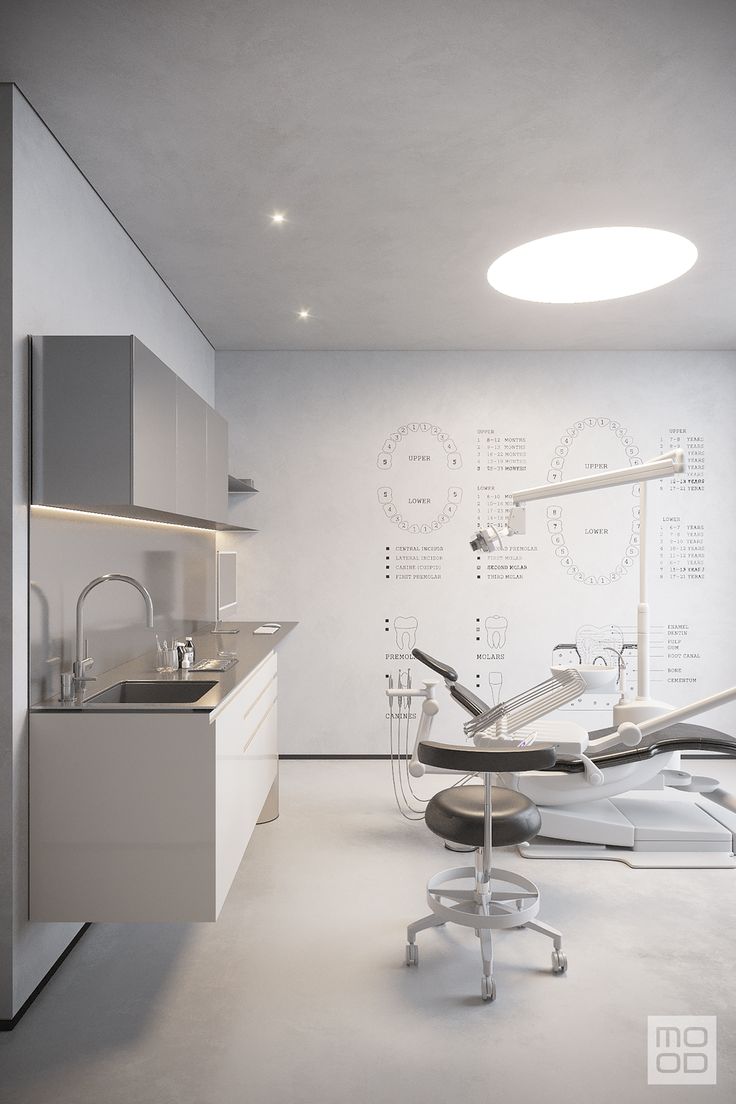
[(152, 693)]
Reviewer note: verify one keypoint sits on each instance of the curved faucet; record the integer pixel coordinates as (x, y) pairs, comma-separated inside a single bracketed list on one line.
[(83, 661)]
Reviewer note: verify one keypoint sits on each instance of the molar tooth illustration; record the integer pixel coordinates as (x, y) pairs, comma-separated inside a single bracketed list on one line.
[(495, 681), (598, 643), (496, 627), (406, 633)]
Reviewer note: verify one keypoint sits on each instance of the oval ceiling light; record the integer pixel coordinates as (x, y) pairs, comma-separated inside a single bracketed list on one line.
[(587, 266)]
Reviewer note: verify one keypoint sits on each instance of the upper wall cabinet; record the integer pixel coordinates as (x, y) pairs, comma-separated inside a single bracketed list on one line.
[(116, 431)]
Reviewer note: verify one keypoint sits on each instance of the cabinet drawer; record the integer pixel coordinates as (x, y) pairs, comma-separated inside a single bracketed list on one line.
[(247, 695), (244, 779), (242, 712)]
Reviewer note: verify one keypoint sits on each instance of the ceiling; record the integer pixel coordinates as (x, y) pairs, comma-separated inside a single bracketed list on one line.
[(410, 142)]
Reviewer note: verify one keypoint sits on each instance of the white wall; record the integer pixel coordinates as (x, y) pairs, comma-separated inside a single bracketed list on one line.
[(7, 571), (311, 428), (74, 270)]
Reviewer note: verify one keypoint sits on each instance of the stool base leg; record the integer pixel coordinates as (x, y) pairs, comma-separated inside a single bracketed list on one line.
[(431, 921)]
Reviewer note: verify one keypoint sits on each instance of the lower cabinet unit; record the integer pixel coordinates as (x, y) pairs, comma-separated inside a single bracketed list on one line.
[(146, 816)]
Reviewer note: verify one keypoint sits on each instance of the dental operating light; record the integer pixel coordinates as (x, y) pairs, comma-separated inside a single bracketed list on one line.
[(592, 265)]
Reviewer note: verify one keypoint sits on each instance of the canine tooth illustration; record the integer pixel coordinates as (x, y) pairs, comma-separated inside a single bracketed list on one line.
[(495, 681), (496, 627), (406, 633)]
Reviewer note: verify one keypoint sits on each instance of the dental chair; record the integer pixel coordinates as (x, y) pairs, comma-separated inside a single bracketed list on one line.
[(581, 800), (479, 817)]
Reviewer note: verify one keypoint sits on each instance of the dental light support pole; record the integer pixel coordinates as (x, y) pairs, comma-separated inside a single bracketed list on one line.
[(661, 467)]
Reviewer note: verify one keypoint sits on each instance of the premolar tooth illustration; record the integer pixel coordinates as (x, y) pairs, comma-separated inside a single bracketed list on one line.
[(406, 633), (496, 627), (495, 681), (598, 643)]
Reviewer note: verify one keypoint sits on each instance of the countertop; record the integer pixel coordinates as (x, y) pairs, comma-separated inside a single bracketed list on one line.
[(251, 650)]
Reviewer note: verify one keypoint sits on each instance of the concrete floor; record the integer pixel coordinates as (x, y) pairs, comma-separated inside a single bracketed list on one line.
[(299, 994)]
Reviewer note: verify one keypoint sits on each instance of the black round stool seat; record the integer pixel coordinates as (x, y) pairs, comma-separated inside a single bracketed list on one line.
[(457, 816)]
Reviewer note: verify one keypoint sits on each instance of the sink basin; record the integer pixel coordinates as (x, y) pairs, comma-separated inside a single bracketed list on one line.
[(152, 693)]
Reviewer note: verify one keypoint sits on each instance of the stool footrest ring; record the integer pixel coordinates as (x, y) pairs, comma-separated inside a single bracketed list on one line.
[(475, 910)]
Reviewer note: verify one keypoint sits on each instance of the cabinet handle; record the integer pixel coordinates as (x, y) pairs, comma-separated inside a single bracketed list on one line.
[(254, 703)]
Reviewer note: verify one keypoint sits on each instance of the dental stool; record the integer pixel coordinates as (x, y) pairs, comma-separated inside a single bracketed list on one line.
[(479, 816)]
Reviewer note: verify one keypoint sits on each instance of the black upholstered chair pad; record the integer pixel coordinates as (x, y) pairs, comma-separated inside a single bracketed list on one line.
[(456, 815)]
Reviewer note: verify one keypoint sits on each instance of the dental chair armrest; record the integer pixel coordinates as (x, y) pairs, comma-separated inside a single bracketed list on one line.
[(593, 775), (626, 733)]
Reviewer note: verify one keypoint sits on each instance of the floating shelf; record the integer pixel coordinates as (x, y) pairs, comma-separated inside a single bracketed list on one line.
[(238, 485)]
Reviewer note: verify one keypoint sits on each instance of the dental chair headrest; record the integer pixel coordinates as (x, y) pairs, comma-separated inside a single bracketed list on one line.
[(443, 669)]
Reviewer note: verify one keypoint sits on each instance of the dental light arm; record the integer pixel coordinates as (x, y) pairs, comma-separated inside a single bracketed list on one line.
[(661, 467), (632, 734)]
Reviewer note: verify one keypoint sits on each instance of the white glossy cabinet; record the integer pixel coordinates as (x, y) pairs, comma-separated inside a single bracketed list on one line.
[(145, 816)]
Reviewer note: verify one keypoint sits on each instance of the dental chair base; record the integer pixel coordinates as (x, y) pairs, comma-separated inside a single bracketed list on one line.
[(654, 832)]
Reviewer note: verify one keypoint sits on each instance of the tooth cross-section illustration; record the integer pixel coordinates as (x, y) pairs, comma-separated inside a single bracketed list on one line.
[(599, 644), (496, 627), (406, 633)]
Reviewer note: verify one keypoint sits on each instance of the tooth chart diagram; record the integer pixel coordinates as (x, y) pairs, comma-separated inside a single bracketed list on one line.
[(419, 495), (595, 536)]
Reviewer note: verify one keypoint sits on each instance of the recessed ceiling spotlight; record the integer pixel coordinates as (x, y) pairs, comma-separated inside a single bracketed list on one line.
[(587, 266), (278, 217), (304, 314)]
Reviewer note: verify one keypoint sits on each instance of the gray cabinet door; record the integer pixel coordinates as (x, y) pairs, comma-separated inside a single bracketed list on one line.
[(191, 452), (217, 464), (154, 431), (81, 454)]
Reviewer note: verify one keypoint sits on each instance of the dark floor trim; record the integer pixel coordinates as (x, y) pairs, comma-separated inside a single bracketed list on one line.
[(342, 757), (8, 1025)]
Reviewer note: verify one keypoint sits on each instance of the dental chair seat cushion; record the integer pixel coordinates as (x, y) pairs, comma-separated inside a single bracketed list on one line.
[(457, 816)]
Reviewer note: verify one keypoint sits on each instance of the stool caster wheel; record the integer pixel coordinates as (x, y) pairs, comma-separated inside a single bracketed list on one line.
[(559, 962), (487, 988), (412, 954)]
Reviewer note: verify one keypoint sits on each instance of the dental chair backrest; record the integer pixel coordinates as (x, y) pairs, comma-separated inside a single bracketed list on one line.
[(469, 701)]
